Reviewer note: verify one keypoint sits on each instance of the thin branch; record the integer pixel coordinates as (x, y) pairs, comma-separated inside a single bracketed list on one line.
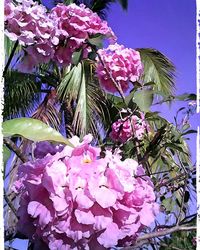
[(10, 204), (160, 172), (117, 86), (146, 238), (188, 217), (10, 58), (12, 146), (11, 235), (182, 201), (182, 175)]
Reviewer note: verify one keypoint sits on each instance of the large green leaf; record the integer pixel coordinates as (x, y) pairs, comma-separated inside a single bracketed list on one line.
[(32, 129), (158, 69), (143, 98)]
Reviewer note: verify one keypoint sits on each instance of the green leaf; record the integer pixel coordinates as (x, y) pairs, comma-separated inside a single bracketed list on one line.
[(32, 129), (186, 97), (143, 99), (173, 146), (77, 56), (185, 127), (149, 84), (158, 69), (169, 204), (191, 131), (96, 40), (67, 2)]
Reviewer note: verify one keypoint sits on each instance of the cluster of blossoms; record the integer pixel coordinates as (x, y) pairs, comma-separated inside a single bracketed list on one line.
[(128, 127), (55, 35), (123, 64), (74, 199)]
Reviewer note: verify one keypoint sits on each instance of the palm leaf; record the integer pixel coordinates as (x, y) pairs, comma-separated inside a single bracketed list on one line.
[(48, 112), (21, 94), (99, 6), (158, 69), (88, 105)]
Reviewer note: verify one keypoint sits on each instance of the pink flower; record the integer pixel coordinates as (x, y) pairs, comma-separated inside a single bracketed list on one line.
[(124, 65), (74, 199), (51, 36), (133, 126), (73, 26)]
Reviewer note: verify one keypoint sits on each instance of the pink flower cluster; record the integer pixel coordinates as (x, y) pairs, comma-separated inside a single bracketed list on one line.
[(123, 64), (74, 25), (55, 35), (77, 200), (130, 126), (29, 23)]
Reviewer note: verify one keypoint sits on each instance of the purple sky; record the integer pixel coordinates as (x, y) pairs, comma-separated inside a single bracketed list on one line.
[(170, 27)]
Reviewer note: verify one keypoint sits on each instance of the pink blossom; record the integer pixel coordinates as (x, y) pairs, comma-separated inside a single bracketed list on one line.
[(123, 64), (73, 26), (132, 126), (72, 199), (51, 36)]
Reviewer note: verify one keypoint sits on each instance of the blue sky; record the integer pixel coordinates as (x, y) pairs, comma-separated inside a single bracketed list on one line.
[(170, 27)]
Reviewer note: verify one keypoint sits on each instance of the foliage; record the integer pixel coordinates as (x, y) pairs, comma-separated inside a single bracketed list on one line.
[(180, 240)]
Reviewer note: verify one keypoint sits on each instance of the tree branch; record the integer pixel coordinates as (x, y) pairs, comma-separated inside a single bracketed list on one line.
[(12, 146), (146, 238), (10, 204), (117, 86), (10, 58)]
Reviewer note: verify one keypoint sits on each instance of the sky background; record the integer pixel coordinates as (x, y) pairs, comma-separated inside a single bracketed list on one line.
[(168, 26)]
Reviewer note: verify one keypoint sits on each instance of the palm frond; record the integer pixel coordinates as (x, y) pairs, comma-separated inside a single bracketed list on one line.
[(48, 112), (21, 93), (99, 6), (158, 69), (88, 103)]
